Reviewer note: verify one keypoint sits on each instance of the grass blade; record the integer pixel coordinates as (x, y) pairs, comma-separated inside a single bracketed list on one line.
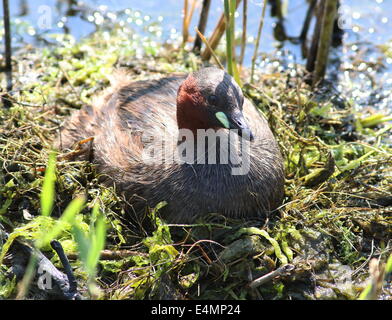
[(47, 193), (68, 217), (230, 6), (98, 244), (203, 38)]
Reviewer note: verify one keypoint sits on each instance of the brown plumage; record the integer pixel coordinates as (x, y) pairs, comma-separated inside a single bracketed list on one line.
[(129, 117)]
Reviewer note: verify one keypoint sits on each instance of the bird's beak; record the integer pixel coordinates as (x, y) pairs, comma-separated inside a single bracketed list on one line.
[(235, 121)]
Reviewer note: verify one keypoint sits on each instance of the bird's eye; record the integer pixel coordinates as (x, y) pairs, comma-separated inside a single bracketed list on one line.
[(212, 99)]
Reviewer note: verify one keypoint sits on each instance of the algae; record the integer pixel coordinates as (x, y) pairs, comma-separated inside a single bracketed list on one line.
[(336, 214)]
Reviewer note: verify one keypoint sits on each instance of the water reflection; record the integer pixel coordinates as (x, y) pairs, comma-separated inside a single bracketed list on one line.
[(358, 67), (366, 17)]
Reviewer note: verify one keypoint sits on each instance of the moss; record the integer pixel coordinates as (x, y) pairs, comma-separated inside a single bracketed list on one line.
[(335, 214)]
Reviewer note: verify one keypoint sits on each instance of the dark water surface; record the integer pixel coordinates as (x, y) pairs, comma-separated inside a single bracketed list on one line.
[(367, 24)]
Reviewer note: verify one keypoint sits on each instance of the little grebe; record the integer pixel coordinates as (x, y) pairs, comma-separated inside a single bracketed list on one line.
[(209, 99)]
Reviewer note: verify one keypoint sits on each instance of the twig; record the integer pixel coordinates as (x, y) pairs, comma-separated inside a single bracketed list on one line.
[(308, 18), (305, 27), (67, 268), (68, 103), (187, 20), (324, 42), (203, 38), (258, 41), (69, 80), (8, 50), (244, 26), (287, 268), (312, 52), (202, 24), (112, 255), (78, 149), (366, 261)]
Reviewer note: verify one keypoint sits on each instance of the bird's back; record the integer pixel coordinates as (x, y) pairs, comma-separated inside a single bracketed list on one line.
[(132, 117), (121, 115)]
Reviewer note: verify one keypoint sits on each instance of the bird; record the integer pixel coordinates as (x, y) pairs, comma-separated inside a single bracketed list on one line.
[(191, 140)]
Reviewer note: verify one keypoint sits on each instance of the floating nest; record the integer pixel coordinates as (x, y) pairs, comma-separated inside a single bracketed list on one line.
[(335, 219)]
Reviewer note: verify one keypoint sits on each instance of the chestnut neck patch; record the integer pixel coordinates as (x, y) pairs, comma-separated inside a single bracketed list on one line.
[(192, 110)]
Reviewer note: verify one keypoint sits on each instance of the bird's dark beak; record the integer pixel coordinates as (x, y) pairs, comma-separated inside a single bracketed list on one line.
[(237, 121)]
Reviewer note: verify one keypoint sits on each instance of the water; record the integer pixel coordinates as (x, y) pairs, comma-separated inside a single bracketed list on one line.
[(367, 24), (364, 19)]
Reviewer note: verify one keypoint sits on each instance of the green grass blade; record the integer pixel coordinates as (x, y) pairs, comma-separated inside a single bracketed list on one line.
[(278, 252), (229, 8), (388, 266), (47, 193), (98, 244), (83, 243), (366, 293), (68, 217)]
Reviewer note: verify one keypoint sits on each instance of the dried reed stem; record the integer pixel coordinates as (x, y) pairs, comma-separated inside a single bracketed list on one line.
[(308, 18), (203, 38), (202, 24), (8, 50), (244, 27), (305, 28), (324, 42), (184, 19), (258, 40), (312, 52), (187, 20)]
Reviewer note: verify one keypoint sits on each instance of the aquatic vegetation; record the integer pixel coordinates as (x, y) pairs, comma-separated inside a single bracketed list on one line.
[(336, 214)]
